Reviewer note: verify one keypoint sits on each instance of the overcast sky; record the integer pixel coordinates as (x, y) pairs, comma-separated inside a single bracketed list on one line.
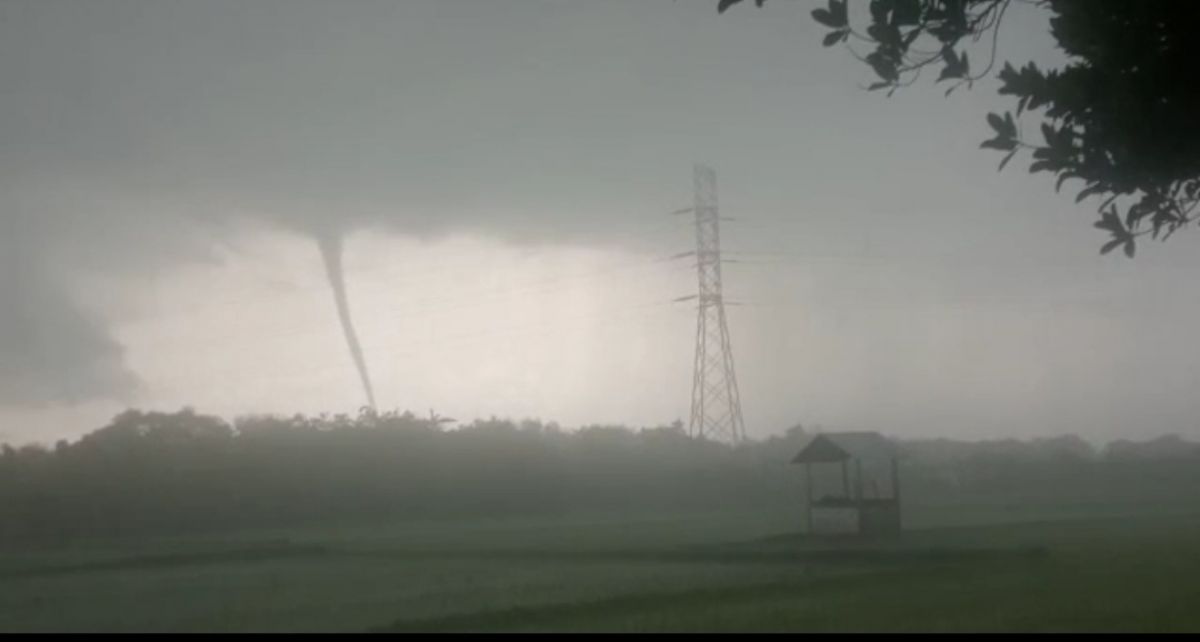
[(503, 173)]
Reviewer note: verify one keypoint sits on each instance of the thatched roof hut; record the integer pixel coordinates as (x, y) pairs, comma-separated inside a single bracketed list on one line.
[(857, 450)]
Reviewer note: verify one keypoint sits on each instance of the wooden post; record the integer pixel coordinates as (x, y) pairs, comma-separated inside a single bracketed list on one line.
[(858, 492), (895, 481), (808, 521), (845, 480), (896, 491), (858, 480)]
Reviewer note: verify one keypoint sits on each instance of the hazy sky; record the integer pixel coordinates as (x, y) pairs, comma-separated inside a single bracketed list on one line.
[(503, 172)]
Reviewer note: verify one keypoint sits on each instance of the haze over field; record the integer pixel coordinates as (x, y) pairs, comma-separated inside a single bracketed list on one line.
[(502, 175)]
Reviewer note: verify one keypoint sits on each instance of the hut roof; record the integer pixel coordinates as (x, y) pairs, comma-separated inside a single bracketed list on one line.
[(840, 446)]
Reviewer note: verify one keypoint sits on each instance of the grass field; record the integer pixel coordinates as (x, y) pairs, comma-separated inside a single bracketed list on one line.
[(734, 571)]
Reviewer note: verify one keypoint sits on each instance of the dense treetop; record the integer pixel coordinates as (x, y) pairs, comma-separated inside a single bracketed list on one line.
[(1119, 119)]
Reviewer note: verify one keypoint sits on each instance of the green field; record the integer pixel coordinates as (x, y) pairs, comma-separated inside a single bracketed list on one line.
[(735, 571)]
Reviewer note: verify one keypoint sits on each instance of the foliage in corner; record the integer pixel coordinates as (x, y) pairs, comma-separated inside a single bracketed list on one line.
[(1122, 117)]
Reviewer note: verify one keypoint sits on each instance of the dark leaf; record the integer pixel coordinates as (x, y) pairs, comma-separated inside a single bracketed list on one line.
[(837, 9), (1088, 191), (1005, 161), (1110, 246), (1062, 179), (824, 17), (1007, 76), (885, 34), (832, 38), (950, 71), (997, 123), (1134, 215), (884, 67), (1002, 144), (906, 12), (725, 4), (951, 57), (879, 11)]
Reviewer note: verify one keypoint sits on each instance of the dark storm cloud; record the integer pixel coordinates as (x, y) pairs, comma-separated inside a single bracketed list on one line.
[(52, 349), (419, 116), (127, 124), (130, 124), (135, 134)]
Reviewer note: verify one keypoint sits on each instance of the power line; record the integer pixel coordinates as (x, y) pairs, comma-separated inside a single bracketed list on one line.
[(632, 313), (424, 303), (422, 309), (491, 335)]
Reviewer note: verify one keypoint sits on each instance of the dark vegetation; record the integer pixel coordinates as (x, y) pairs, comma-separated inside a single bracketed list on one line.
[(152, 473), (1119, 119)]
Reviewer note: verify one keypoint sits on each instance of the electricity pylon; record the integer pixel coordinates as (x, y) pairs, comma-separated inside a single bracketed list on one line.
[(716, 402)]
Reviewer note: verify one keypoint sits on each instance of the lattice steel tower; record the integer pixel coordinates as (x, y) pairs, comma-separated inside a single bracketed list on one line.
[(716, 403)]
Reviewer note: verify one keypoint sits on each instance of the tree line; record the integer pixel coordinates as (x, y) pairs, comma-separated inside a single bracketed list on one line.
[(179, 472)]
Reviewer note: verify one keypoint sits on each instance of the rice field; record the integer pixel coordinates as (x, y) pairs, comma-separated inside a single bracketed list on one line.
[(730, 571)]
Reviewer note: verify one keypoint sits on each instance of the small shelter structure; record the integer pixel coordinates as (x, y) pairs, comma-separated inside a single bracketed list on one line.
[(867, 499)]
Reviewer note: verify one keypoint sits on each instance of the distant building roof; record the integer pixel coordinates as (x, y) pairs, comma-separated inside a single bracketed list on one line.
[(840, 446)]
